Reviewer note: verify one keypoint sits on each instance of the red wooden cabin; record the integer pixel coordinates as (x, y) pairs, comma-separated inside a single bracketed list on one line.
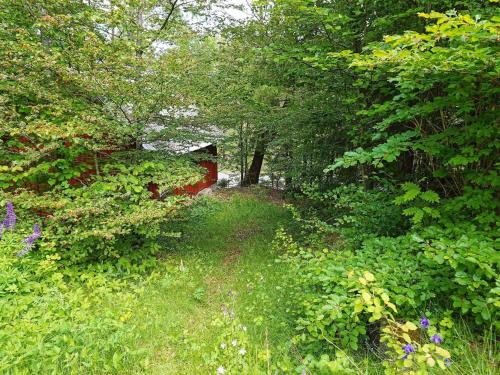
[(205, 154)]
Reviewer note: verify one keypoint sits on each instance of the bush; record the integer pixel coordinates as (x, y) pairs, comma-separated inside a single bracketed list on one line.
[(430, 270), (467, 263), (223, 183), (444, 272), (338, 303), (111, 217), (353, 209)]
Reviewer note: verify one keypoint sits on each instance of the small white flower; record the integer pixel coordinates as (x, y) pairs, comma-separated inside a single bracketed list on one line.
[(234, 342), (223, 346), (242, 351), (221, 370), (244, 328)]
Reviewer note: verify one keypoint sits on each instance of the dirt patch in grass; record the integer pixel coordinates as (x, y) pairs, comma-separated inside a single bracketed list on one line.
[(166, 354), (231, 257), (243, 233), (272, 195), (213, 282), (276, 196)]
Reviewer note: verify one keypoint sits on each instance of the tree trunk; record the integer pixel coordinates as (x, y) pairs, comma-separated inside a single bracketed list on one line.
[(242, 159), (253, 174)]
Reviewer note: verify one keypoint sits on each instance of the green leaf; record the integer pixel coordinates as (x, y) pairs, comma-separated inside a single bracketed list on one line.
[(430, 196)]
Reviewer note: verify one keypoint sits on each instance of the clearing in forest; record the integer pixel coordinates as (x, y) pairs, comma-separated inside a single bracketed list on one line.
[(223, 264)]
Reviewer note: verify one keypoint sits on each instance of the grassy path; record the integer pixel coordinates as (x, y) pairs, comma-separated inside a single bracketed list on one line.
[(222, 262)]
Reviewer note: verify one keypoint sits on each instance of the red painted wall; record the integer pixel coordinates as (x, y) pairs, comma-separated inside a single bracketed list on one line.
[(88, 160), (209, 179)]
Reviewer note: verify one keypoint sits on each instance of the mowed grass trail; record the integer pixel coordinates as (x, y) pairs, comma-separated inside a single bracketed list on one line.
[(223, 263)]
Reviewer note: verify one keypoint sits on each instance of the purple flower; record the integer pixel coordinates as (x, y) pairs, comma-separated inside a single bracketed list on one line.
[(30, 240), (408, 348), (36, 230), (424, 322), (436, 339), (10, 218)]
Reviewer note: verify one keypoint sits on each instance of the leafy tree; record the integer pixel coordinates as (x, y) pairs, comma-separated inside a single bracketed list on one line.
[(80, 82), (440, 115), (82, 78), (290, 46)]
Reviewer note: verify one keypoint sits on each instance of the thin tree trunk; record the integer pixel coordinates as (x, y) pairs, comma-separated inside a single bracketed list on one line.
[(242, 157), (253, 174)]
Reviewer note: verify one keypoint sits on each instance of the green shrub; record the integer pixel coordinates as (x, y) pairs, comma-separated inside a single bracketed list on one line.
[(429, 269), (354, 209), (460, 274), (338, 304), (468, 263), (223, 183), (113, 216)]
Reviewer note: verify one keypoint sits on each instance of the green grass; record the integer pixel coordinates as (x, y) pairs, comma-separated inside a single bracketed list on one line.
[(223, 260)]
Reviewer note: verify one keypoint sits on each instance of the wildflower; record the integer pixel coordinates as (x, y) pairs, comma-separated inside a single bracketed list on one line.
[(223, 346), (10, 218), (424, 322), (436, 339), (221, 370), (30, 240), (234, 342), (447, 362), (244, 328), (408, 349), (242, 351)]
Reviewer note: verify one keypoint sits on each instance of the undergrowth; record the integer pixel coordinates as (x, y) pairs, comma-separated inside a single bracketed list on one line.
[(160, 313), (418, 299)]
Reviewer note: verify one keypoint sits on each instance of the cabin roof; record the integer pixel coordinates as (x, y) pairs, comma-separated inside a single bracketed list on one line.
[(201, 138), (178, 148)]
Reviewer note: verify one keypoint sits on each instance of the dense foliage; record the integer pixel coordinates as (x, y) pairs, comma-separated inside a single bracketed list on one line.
[(378, 118), (81, 82)]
